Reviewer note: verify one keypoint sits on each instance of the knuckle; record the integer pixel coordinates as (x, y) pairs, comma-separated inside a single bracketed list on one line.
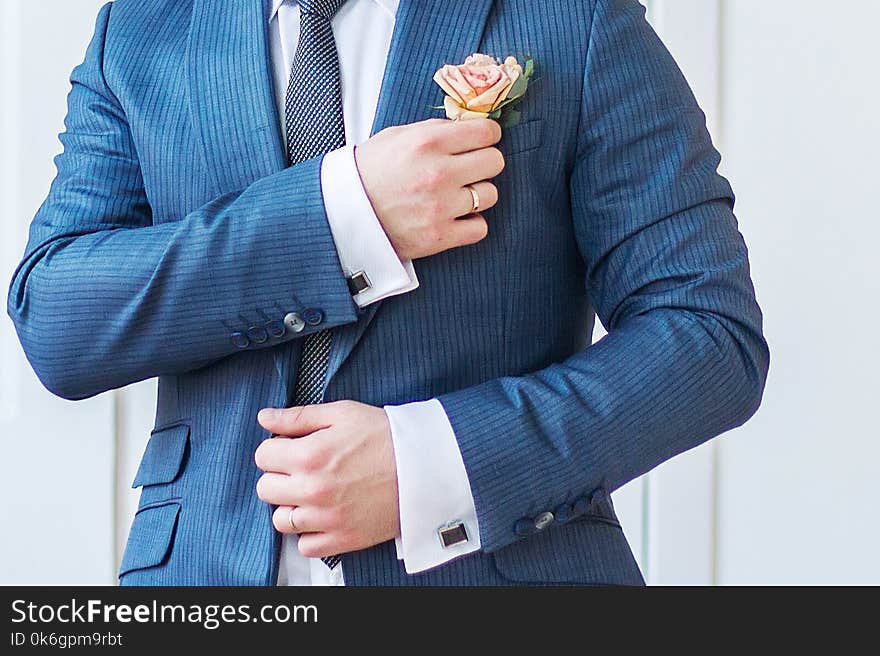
[(435, 209), (317, 491), (432, 177), (313, 459), (432, 234), (489, 130), (426, 142), (345, 408), (333, 518)]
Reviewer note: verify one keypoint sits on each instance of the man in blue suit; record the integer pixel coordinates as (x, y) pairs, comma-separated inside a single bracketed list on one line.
[(374, 362)]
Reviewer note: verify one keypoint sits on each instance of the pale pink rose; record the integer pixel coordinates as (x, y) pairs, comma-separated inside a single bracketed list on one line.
[(476, 88)]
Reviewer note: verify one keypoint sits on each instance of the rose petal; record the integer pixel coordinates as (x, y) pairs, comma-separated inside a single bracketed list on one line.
[(487, 100), (455, 79), (456, 112), (481, 78), (514, 76), (440, 79), (478, 59)]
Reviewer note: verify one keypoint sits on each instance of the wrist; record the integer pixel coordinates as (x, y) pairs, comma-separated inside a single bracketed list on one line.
[(359, 169)]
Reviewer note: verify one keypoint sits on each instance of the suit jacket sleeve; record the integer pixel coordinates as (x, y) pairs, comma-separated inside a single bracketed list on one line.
[(106, 296), (668, 272)]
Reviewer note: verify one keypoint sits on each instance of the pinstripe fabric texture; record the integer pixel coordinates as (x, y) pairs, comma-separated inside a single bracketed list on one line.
[(315, 126), (160, 240)]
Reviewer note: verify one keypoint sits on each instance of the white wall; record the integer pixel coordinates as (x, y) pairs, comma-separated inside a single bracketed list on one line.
[(788, 90), (57, 495), (799, 485)]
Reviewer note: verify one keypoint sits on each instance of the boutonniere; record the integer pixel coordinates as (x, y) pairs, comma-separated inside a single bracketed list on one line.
[(483, 87)]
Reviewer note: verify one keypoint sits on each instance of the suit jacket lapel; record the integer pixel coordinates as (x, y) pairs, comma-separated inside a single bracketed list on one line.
[(231, 92), (427, 34)]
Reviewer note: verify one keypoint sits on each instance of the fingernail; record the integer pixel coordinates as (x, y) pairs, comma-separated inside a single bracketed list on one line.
[(267, 415)]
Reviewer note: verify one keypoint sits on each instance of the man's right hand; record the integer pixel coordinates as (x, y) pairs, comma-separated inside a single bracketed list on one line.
[(416, 177)]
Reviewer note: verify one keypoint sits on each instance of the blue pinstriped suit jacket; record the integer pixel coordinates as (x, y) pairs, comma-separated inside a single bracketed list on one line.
[(174, 224)]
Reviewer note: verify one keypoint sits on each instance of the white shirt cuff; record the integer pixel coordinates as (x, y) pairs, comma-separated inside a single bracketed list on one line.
[(433, 486), (361, 243)]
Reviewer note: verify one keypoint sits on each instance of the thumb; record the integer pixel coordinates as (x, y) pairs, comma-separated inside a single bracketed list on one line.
[(294, 422)]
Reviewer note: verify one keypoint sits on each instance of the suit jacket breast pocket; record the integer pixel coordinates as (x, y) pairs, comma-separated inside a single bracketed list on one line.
[(523, 137)]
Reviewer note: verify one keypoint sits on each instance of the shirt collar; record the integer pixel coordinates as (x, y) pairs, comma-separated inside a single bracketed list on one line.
[(389, 5)]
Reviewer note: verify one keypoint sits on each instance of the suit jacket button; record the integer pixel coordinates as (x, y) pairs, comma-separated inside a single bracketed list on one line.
[(240, 340), (564, 513), (524, 528), (581, 506), (294, 322), (544, 520), (257, 334), (276, 328), (312, 316)]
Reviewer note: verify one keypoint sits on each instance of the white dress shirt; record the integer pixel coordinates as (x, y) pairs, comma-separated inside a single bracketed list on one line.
[(433, 486)]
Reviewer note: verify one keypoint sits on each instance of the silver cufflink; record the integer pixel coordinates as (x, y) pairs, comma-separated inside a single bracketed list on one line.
[(452, 534), (358, 282)]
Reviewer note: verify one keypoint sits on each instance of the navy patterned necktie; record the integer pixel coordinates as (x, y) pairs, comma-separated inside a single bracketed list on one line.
[(315, 126)]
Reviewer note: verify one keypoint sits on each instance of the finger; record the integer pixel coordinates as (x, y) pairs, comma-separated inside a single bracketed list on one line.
[(469, 230), (281, 455), (280, 490), (465, 136), (305, 520), (281, 520), (321, 545), (478, 165), (487, 193), (295, 422)]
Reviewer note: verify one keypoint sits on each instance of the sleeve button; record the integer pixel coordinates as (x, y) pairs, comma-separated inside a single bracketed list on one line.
[(313, 317), (564, 513), (240, 340), (276, 328), (581, 506), (257, 334), (544, 520), (524, 528), (294, 322)]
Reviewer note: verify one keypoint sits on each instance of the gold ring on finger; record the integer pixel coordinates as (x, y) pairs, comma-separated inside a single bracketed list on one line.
[(475, 196)]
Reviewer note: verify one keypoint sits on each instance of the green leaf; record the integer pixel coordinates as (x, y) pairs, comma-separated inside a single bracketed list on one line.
[(518, 89), (509, 101), (511, 117), (529, 68)]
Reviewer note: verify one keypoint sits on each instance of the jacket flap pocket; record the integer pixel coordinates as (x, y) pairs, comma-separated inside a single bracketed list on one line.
[(163, 457), (149, 541)]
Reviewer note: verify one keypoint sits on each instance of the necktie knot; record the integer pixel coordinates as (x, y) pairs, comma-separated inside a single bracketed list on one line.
[(324, 8)]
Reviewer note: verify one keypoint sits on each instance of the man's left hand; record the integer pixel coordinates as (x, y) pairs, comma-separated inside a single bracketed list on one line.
[(334, 465)]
